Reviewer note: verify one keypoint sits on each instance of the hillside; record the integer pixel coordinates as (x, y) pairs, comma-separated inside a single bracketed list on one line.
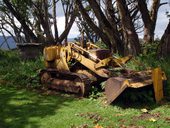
[(11, 43)]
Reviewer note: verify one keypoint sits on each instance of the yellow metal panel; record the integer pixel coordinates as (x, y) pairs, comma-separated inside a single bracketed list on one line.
[(91, 65), (61, 63), (50, 64), (157, 83), (91, 46), (125, 59), (121, 61), (103, 62), (114, 86), (50, 53), (140, 84), (68, 52)]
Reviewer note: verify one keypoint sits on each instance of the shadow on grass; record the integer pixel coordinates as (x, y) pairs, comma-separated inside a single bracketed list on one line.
[(20, 108), (139, 98)]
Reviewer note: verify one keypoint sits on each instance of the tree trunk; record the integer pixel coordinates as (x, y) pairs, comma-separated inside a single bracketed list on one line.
[(148, 36), (93, 26), (110, 13), (149, 18), (131, 40), (106, 30), (164, 47), (25, 27), (69, 25), (55, 21), (46, 23), (106, 26)]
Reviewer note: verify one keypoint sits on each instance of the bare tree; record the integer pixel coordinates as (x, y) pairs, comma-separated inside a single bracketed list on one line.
[(149, 17), (131, 40), (164, 47), (36, 20)]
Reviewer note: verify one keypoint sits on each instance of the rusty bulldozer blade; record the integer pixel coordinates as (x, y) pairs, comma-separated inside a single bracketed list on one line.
[(116, 85)]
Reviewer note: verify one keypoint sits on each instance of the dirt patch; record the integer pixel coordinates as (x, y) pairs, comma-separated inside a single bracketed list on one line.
[(167, 119), (3, 82), (131, 126), (95, 117), (81, 126), (147, 116)]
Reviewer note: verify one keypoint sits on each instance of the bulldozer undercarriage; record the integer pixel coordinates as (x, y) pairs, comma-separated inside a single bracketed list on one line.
[(59, 75), (66, 81)]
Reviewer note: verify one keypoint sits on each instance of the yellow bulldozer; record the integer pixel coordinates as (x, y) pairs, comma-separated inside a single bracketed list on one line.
[(75, 67)]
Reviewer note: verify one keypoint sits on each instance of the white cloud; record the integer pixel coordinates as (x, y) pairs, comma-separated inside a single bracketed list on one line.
[(162, 20), (59, 9), (61, 25), (74, 32)]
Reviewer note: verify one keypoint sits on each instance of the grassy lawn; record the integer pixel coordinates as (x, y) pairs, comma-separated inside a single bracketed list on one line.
[(22, 106), (24, 109)]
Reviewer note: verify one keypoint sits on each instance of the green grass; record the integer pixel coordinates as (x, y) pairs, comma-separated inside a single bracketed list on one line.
[(25, 109), (22, 106)]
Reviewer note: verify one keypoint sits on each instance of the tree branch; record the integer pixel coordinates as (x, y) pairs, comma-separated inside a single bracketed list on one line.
[(21, 20)]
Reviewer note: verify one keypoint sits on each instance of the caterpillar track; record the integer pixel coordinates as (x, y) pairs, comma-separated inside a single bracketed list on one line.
[(66, 81)]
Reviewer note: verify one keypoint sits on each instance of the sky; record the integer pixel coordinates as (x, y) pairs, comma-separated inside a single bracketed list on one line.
[(61, 25), (162, 21), (74, 32)]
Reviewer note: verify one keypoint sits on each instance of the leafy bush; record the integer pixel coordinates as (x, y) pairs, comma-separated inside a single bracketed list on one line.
[(17, 72), (101, 45), (150, 48)]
